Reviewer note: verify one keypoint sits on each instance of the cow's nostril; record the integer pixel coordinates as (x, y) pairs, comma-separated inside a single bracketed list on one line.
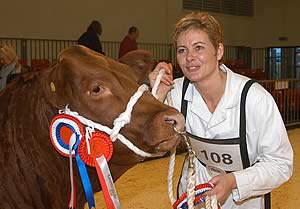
[(170, 121), (177, 120), (180, 123)]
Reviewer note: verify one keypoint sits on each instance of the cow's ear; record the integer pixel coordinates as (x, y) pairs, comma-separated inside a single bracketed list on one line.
[(141, 62)]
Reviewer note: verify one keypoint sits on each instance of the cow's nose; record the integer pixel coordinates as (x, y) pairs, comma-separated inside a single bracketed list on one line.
[(177, 120)]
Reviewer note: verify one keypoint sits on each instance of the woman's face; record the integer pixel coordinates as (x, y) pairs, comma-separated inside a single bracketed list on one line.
[(197, 56)]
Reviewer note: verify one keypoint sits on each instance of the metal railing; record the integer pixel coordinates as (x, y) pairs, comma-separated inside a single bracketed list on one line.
[(285, 92), (29, 49)]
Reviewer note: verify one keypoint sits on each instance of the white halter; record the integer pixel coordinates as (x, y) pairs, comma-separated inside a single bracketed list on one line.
[(121, 121)]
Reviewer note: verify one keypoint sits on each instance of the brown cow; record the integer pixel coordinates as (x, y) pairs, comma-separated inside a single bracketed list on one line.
[(33, 174), (142, 62)]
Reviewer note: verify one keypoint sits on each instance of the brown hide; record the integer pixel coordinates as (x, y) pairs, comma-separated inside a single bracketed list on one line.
[(142, 63), (33, 174)]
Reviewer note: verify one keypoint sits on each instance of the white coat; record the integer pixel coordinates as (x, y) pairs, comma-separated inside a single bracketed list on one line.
[(270, 152)]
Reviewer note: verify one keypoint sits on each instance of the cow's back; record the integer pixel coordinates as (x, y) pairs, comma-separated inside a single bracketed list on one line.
[(30, 167)]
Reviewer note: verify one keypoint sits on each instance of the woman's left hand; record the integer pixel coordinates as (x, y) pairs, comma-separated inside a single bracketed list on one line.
[(223, 185)]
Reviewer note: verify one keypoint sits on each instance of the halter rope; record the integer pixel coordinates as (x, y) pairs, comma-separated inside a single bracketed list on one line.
[(119, 122), (111, 198), (210, 202)]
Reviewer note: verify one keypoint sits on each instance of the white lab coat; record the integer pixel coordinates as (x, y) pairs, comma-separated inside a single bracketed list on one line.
[(269, 149)]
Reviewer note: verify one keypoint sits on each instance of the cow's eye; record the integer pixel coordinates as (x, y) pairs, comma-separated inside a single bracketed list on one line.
[(97, 89)]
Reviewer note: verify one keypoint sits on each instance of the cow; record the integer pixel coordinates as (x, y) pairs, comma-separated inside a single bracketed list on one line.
[(33, 174), (142, 62)]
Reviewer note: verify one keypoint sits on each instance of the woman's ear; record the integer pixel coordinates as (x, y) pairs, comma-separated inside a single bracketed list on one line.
[(220, 51)]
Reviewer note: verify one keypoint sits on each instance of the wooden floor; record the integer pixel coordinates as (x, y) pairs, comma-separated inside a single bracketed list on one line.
[(145, 185)]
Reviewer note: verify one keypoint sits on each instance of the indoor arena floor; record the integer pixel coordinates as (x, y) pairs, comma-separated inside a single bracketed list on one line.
[(145, 185)]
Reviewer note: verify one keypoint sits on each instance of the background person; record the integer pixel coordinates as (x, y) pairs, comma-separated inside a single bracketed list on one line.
[(91, 39), (244, 155), (9, 65), (129, 41)]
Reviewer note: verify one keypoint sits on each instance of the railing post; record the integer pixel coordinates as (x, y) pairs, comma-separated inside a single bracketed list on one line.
[(23, 49)]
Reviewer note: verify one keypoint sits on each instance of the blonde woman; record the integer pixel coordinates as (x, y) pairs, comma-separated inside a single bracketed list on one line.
[(235, 127)]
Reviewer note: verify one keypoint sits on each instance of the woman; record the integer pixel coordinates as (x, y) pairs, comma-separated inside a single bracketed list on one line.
[(242, 146)]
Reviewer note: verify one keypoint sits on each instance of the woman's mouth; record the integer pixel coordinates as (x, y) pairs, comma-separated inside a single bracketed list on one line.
[(192, 68)]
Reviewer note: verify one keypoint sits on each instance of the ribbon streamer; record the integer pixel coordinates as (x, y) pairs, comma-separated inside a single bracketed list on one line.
[(107, 184)]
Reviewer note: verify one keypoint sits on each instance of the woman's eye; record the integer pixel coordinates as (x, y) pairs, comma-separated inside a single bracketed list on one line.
[(180, 51), (198, 48)]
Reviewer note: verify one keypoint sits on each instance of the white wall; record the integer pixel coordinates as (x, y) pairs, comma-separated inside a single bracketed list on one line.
[(66, 19)]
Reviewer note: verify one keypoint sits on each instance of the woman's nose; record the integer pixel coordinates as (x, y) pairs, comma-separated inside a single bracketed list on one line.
[(190, 55)]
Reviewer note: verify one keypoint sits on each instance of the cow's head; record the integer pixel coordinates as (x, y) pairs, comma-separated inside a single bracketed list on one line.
[(99, 89)]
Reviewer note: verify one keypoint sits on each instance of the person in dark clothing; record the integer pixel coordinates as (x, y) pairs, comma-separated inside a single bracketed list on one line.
[(129, 42), (90, 38)]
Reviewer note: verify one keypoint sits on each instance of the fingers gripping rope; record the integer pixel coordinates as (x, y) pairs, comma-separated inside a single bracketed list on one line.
[(210, 202), (157, 82)]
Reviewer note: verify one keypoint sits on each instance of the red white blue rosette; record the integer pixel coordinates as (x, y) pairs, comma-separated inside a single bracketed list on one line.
[(100, 144), (62, 128), (200, 189), (101, 148), (68, 137)]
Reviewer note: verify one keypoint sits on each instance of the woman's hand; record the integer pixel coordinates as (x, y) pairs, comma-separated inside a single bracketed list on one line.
[(224, 184), (166, 82)]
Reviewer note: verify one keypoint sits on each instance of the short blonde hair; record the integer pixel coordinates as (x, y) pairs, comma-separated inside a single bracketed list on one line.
[(200, 21)]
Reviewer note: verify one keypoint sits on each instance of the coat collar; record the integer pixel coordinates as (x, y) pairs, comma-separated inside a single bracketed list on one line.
[(229, 99)]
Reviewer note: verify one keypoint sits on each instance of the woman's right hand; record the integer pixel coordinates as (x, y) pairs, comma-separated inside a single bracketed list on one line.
[(166, 82)]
